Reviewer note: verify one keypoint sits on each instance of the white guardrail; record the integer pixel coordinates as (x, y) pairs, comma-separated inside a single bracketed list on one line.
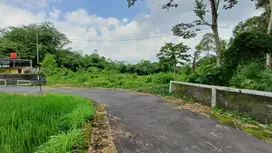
[(5, 82), (23, 82), (20, 83), (214, 88)]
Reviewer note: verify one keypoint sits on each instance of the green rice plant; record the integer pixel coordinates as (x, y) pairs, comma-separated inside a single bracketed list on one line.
[(77, 117), (62, 143), (28, 121)]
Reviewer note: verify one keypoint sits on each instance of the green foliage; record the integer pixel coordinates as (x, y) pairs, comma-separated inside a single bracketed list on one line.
[(208, 74), (65, 66), (154, 83), (207, 43), (236, 115), (28, 121), (256, 23), (176, 53), (261, 3), (247, 124), (62, 143), (252, 76), (49, 65), (246, 46), (22, 39)]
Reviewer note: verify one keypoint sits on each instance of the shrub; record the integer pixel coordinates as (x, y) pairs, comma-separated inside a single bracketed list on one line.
[(208, 74), (252, 76), (162, 78)]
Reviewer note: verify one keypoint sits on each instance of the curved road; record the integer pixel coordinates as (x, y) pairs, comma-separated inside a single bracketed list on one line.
[(145, 123)]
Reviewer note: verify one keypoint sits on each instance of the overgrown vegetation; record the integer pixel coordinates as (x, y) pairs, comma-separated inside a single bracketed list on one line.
[(235, 119), (48, 123)]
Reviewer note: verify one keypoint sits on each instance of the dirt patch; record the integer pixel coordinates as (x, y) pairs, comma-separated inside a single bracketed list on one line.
[(193, 107), (119, 131), (101, 140)]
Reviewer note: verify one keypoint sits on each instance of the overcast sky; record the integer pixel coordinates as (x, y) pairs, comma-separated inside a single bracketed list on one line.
[(110, 20)]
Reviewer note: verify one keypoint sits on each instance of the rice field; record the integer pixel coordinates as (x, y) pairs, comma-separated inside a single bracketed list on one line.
[(47, 123)]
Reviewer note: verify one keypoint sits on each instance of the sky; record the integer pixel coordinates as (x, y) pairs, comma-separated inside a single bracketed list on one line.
[(101, 24)]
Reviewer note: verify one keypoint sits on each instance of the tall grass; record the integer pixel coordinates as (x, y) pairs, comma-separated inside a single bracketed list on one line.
[(155, 83), (28, 121)]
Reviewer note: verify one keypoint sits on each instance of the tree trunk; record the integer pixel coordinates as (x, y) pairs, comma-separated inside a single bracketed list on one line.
[(194, 62), (268, 56), (215, 32), (175, 71)]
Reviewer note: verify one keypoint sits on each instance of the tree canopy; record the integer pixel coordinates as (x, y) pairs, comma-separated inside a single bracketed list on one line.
[(175, 54), (23, 39)]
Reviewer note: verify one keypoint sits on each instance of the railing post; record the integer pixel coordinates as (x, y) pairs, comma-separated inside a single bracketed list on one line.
[(170, 87), (213, 101)]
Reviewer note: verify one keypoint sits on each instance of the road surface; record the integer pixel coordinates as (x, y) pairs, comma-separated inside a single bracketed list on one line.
[(147, 124)]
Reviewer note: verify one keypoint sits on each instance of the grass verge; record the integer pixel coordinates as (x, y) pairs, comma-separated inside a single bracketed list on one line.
[(48, 123), (243, 122)]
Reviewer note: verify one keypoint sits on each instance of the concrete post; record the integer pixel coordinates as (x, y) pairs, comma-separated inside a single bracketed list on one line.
[(170, 87), (213, 102)]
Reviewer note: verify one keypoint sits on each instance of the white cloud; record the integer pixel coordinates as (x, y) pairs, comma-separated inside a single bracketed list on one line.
[(11, 16), (31, 4), (28, 4), (55, 14), (125, 20), (80, 25)]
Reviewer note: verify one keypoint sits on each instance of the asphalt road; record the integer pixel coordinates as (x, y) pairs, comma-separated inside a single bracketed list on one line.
[(145, 123)]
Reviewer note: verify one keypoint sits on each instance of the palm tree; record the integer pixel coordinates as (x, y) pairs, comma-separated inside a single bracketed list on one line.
[(175, 54)]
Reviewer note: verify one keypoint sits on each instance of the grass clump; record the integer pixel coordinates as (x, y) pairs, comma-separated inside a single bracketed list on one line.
[(63, 142), (28, 121), (243, 122)]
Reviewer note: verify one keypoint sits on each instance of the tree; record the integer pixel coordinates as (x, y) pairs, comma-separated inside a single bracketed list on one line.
[(196, 56), (188, 30), (176, 54), (267, 4), (257, 23), (23, 40), (246, 47), (49, 65), (207, 44)]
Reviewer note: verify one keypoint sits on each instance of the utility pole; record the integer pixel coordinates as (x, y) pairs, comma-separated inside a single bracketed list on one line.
[(37, 45)]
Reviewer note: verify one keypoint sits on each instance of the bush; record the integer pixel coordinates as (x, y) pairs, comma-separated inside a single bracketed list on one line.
[(162, 78), (252, 76), (49, 65), (246, 47), (208, 74)]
